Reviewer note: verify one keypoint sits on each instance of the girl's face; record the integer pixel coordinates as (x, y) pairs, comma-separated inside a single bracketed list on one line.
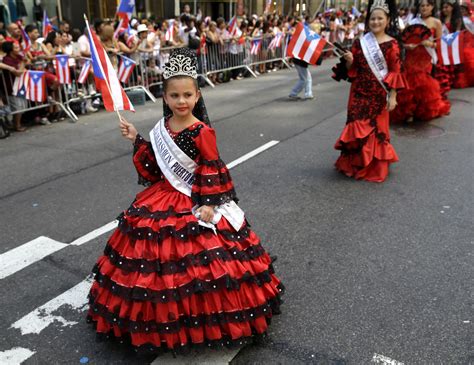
[(378, 21), (181, 96), (464, 11), (426, 9), (64, 38), (447, 9)]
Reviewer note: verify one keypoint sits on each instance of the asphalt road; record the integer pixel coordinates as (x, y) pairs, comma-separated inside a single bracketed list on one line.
[(369, 268)]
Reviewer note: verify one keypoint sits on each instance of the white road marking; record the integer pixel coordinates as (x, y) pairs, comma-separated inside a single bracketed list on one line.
[(95, 233), (251, 154), (205, 356), (384, 360), (26, 254), (42, 317), (15, 356)]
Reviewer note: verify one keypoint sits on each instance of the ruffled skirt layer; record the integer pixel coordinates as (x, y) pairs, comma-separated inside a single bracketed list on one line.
[(164, 282)]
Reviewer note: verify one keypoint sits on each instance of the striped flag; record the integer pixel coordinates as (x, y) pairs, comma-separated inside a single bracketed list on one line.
[(305, 44), (276, 41), (125, 11), (86, 69), (47, 25), (61, 64), (232, 28), (450, 50), (36, 90), (20, 86), (105, 77), (125, 70), (170, 31), (26, 44), (256, 44)]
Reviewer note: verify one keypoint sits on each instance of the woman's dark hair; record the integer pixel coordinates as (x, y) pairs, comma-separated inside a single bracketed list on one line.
[(52, 36), (75, 34), (430, 2), (392, 28), (456, 21), (7, 47), (265, 27)]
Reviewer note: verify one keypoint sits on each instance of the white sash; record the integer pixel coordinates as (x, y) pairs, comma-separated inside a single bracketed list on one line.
[(431, 51), (179, 168), (374, 56)]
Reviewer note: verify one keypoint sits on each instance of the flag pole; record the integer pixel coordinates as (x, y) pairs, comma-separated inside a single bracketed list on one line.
[(105, 79)]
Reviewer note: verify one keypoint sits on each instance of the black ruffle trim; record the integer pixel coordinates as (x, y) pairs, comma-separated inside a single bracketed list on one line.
[(172, 267), (214, 199), (340, 71), (184, 349), (195, 286), (147, 163), (218, 164), (183, 234), (221, 178), (156, 215), (271, 307)]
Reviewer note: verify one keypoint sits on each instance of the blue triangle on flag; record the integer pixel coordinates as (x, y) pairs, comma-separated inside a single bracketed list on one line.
[(311, 35)]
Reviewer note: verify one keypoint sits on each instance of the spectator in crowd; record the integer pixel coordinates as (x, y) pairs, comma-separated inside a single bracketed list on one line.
[(14, 34), (65, 27), (110, 44), (15, 60), (213, 42)]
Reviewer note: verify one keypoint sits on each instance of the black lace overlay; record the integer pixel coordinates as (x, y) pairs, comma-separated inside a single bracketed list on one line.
[(147, 168), (214, 199)]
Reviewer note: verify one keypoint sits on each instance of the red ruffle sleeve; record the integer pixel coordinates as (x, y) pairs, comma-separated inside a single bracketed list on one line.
[(145, 162), (394, 79), (212, 182)]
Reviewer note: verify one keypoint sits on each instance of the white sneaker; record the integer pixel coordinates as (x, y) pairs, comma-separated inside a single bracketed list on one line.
[(91, 109), (45, 121)]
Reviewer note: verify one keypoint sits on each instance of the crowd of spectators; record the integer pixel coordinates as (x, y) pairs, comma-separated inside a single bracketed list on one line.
[(145, 41)]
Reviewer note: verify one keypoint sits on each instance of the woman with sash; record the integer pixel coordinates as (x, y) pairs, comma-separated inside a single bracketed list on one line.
[(183, 267), (422, 99), (373, 68)]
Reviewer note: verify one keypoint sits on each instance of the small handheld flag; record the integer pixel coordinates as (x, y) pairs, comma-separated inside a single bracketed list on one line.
[(20, 86), (451, 49), (86, 69), (256, 44), (305, 44), (47, 25), (125, 70), (26, 44), (36, 90), (61, 64)]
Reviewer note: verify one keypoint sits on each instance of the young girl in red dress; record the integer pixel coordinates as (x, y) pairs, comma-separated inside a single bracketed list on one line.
[(422, 99), (373, 68), (183, 267)]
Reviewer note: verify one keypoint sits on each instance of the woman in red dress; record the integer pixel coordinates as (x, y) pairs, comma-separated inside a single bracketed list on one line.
[(364, 143), (177, 272), (422, 99), (464, 77)]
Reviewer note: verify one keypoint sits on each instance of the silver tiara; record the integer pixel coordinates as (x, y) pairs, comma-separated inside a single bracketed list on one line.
[(380, 4), (180, 65)]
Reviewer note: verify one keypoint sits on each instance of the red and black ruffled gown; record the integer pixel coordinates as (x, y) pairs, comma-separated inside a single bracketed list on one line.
[(422, 99), (464, 73), (166, 283), (444, 73), (364, 143)]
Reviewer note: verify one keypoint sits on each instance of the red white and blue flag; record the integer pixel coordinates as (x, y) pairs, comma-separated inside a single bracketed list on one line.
[(256, 44), (105, 77), (61, 64), (36, 90), (26, 44), (85, 70), (450, 50), (125, 11), (170, 31), (305, 44), (276, 41), (233, 26), (125, 70), (20, 86), (47, 25)]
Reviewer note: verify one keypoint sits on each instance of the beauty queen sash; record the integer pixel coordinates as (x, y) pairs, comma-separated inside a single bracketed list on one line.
[(374, 56), (179, 168), (431, 51)]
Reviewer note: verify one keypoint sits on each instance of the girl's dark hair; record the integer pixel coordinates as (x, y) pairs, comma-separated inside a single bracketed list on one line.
[(430, 2), (392, 28), (52, 36), (7, 47), (265, 27), (30, 27), (166, 82), (456, 21)]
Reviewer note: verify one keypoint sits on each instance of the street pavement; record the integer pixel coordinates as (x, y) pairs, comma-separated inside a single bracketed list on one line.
[(374, 273)]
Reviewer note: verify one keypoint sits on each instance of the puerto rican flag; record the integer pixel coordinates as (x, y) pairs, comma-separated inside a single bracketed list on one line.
[(61, 64), (36, 90), (85, 70), (170, 31), (233, 27), (20, 86), (125, 11), (125, 70), (256, 44), (450, 50), (105, 77), (305, 44), (26, 44), (47, 25), (276, 41)]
